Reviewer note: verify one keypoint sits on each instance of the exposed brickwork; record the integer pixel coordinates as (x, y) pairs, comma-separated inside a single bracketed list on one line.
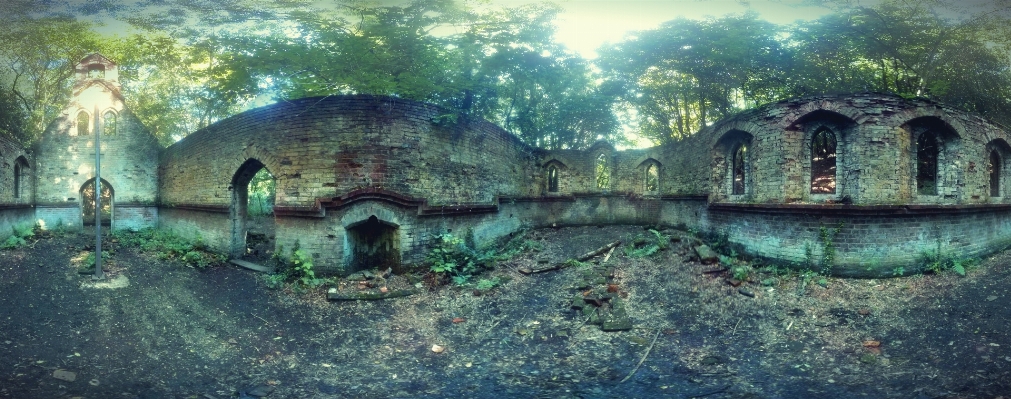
[(340, 161), (66, 157)]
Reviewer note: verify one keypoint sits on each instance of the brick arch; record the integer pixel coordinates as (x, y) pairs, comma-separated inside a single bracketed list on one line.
[(360, 213), (237, 209), (721, 163)]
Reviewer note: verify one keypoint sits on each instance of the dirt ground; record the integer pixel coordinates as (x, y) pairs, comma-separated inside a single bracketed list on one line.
[(161, 330)]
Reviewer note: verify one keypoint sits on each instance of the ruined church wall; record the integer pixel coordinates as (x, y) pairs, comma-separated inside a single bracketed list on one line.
[(66, 161), (321, 150), (16, 206)]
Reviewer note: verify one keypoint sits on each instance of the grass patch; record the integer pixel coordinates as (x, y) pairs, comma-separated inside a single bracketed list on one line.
[(167, 245)]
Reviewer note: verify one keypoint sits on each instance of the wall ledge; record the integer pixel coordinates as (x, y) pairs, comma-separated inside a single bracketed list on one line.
[(862, 210)]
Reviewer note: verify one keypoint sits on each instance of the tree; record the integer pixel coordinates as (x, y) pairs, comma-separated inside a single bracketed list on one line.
[(38, 58), (689, 73)]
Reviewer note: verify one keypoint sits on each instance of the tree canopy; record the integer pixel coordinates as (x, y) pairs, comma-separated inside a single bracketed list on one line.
[(190, 63)]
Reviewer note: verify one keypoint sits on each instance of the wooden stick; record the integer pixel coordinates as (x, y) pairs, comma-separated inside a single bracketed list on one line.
[(608, 256), (585, 257), (643, 357)]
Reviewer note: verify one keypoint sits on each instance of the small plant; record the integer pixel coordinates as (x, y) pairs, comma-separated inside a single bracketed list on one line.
[(740, 272), (20, 236), (827, 237), (899, 271), (487, 284), (302, 267), (643, 246), (452, 257), (166, 245), (576, 263)]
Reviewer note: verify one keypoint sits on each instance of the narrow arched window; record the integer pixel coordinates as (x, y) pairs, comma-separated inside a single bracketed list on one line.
[(652, 178), (926, 164), (603, 172), (823, 162), (739, 168), (553, 179), (82, 123), (17, 180), (994, 168), (109, 123)]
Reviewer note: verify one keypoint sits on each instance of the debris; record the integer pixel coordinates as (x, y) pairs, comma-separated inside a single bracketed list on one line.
[(871, 344), (864, 311), (715, 271), (260, 390), (61, 374), (585, 257), (657, 335), (707, 255), (251, 266), (458, 320), (734, 282), (746, 292), (334, 295), (438, 348), (93, 382)]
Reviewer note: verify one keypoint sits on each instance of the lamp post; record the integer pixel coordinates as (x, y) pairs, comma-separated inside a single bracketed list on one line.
[(99, 274)]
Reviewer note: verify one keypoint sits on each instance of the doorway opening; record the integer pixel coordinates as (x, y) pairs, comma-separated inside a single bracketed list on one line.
[(252, 212), (88, 203), (373, 244)]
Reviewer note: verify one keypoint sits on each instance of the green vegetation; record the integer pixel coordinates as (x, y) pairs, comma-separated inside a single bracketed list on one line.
[(261, 191), (453, 257), (646, 245), (827, 237), (166, 245), (20, 235), (936, 261), (502, 64)]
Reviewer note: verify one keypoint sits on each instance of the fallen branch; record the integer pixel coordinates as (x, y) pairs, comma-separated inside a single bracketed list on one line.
[(333, 295), (643, 357), (721, 390), (585, 257)]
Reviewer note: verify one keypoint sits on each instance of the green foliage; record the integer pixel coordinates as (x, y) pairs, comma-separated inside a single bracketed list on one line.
[(571, 262), (302, 268), (261, 191), (166, 245), (20, 235), (487, 284), (827, 237), (741, 272), (936, 261), (452, 257), (647, 245)]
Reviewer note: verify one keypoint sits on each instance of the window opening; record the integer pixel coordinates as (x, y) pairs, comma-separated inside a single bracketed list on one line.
[(17, 180), (652, 178), (994, 168), (823, 162), (553, 179), (738, 168), (96, 72), (926, 164), (109, 123), (373, 244), (603, 172), (82, 123)]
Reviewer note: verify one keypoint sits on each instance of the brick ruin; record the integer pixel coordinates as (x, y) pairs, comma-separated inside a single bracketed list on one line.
[(365, 181)]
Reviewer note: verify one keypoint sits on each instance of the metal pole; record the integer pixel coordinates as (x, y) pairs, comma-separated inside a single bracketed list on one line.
[(99, 274)]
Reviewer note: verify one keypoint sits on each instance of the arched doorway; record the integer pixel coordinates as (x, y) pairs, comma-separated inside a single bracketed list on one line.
[(252, 212), (88, 203)]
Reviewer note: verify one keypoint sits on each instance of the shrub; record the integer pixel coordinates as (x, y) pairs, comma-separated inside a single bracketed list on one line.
[(647, 245), (452, 257)]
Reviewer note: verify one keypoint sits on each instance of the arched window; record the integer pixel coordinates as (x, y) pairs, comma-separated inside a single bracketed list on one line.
[(552, 179), (994, 168), (83, 121), (740, 152), (17, 180), (652, 178), (109, 123), (603, 172), (926, 164), (823, 162)]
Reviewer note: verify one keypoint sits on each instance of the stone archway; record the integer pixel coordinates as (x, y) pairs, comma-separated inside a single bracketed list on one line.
[(252, 233), (88, 203)]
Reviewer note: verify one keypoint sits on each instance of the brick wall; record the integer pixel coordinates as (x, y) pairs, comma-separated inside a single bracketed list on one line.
[(66, 157)]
